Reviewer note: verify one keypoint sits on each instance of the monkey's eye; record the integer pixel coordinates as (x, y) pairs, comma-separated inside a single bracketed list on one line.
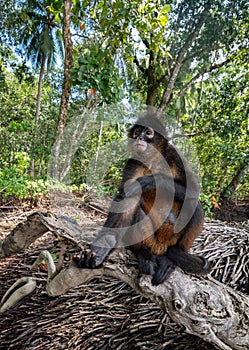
[(150, 133)]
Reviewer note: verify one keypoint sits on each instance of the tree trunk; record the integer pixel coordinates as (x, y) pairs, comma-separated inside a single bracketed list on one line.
[(98, 146), (151, 95), (37, 113), (203, 306), (39, 93), (229, 189), (68, 63), (179, 61)]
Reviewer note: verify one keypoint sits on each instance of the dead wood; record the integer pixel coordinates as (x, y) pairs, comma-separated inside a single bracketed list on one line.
[(205, 307), (34, 227), (23, 235)]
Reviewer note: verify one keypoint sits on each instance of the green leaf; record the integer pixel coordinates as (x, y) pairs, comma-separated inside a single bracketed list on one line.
[(163, 19), (54, 256)]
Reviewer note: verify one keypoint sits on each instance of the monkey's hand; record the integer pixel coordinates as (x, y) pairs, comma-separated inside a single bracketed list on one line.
[(96, 254), (85, 259)]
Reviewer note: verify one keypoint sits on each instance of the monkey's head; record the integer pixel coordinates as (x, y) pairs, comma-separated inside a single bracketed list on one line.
[(148, 131)]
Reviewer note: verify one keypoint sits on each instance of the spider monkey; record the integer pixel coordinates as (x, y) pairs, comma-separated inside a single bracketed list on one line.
[(156, 211)]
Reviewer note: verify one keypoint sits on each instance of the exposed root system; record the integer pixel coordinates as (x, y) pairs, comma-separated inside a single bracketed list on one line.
[(107, 314)]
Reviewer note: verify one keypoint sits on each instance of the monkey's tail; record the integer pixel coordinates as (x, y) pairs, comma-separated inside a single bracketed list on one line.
[(189, 263)]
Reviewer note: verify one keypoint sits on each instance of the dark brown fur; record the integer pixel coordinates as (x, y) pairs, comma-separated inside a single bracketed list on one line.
[(156, 184)]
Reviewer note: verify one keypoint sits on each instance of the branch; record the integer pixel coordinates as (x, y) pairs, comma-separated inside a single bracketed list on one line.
[(236, 179), (198, 75), (192, 37), (35, 226), (22, 287), (47, 257), (23, 235), (80, 36), (201, 52), (139, 65), (145, 42), (193, 134), (205, 307)]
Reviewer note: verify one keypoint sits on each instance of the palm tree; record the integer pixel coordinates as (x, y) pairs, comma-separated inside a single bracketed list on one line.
[(42, 39)]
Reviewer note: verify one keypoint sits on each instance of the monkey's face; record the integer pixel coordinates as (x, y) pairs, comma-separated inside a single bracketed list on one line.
[(147, 137), (142, 136)]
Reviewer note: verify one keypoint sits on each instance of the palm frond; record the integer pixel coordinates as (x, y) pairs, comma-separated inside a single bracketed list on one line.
[(39, 38)]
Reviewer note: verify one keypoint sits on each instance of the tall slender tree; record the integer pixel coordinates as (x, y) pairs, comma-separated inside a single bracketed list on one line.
[(66, 88), (41, 37)]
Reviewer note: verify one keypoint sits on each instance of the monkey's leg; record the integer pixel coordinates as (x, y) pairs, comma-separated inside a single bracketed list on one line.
[(146, 260), (165, 267), (187, 262), (191, 228)]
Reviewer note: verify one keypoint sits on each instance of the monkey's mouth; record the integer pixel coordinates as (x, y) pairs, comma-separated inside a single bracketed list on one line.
[(141, 146)]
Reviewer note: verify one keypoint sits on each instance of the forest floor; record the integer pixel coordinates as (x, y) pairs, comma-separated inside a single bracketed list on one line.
[(103, 314), (231, 211)]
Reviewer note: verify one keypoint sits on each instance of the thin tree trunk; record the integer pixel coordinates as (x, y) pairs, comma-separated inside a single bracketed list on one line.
[(38, 111), (179, 61), (39, 93), (74, 138), (68, 63), (243, 169), (151, 95), (98, 146)]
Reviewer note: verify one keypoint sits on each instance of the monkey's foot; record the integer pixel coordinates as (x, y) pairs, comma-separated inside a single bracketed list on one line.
[(164, 269), (86, 259), (146, 266), (206, 267)]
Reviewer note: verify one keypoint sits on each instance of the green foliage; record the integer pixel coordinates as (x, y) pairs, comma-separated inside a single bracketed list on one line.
[(127, 48), (100, 158), (95, 69), (221, 124), (15, 183), (150, 36), (207, 205), (18, 130)]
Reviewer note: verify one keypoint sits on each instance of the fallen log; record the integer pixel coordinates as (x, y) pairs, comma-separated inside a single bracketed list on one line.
[(205, 307)]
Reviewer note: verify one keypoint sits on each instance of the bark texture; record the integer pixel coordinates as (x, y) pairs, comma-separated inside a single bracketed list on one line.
[(205, 307), (66, 88)]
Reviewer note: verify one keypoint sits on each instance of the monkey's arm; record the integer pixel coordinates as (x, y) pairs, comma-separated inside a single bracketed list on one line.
[(174, 190), (120, 217), (158, 181)]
